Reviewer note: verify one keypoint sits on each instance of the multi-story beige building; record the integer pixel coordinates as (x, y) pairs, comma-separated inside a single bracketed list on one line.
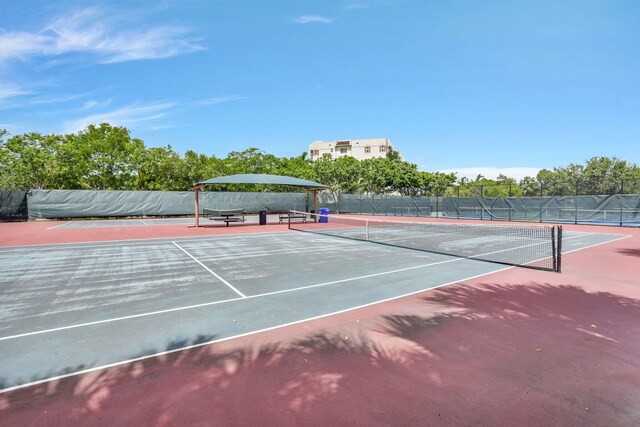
[(360, 149)]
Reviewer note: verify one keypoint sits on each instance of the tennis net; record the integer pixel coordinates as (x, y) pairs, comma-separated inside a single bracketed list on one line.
[(536, 246)]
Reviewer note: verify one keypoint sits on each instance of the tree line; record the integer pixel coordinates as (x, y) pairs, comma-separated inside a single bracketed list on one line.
[(106, 157), (598, 175)]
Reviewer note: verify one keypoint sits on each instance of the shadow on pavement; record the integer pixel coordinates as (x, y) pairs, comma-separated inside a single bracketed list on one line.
[(524, 354)]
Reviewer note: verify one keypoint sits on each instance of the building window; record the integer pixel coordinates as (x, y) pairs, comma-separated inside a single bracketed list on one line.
[(343, 151), (367, 149), (383, 148)]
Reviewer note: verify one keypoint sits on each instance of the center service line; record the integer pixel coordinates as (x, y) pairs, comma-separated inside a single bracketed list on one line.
[(210, 271)]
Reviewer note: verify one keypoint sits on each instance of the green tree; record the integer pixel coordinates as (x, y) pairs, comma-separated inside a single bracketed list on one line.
[(604, 175), (162, 169), (406, 178), (529, 186), (252, 160), (199, 167), (103, 156), (438, 183), (599, 175), (393, 155), (28, 160), (341, 174), (5, 174), (376, 176), (297, 167)]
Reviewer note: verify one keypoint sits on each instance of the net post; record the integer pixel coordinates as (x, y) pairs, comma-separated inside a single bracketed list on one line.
[(559, 249), (554, 253)]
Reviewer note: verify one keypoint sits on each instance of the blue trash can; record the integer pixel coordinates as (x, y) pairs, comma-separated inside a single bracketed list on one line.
[(323, 214)]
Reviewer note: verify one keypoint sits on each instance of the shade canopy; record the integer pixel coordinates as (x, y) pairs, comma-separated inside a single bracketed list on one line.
[(264, 179)]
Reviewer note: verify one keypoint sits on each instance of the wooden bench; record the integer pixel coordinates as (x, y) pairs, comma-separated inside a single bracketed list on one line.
[(224, 215), (289, 216)]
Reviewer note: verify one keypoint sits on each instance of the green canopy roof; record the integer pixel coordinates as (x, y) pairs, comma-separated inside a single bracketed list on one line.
[(264, 179)]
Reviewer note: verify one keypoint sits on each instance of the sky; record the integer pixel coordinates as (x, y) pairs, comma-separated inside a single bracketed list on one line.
[(469, 86)]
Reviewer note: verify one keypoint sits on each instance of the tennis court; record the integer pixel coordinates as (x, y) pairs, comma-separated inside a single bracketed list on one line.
[(78, 308)]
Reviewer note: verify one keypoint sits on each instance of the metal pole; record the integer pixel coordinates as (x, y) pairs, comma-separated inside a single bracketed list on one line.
[(197, 190), (481, 202), (315, 205), (559, 250), (620, 199), (575, 201)]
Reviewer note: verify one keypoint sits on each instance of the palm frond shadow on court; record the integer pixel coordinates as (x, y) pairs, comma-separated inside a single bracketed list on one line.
[(630, 251), (494, 354)]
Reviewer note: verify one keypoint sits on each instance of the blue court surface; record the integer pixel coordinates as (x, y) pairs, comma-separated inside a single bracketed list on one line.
[(71, 308)]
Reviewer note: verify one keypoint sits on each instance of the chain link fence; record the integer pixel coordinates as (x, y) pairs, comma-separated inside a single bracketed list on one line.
[(619, 209), (591, 187), (543, 202)]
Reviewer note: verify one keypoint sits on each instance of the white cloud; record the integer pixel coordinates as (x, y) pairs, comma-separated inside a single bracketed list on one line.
[(307, 19), (30, 98), (93, 104), (220, 100), (56, 98), (355, 6), (126, 116), (8, 90), (96, 32), (21, 44), (493, 172)]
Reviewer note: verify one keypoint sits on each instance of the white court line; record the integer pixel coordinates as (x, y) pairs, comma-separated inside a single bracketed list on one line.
[(85, 371), (145, 223), (188, 307), (271, 328), (133, 316), (125, 242), (595, 244), (210, 271), (59, 225)]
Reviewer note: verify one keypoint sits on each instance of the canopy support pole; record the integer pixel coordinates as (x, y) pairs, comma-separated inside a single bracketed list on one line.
[(315, 205), (197, 191)]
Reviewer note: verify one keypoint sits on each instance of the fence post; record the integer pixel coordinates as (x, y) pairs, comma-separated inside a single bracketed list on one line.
[(481, 202), (575, 202), (620, 199), (541, 196)]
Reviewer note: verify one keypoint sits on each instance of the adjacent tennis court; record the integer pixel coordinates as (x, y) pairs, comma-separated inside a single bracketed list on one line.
[(66, 306)]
